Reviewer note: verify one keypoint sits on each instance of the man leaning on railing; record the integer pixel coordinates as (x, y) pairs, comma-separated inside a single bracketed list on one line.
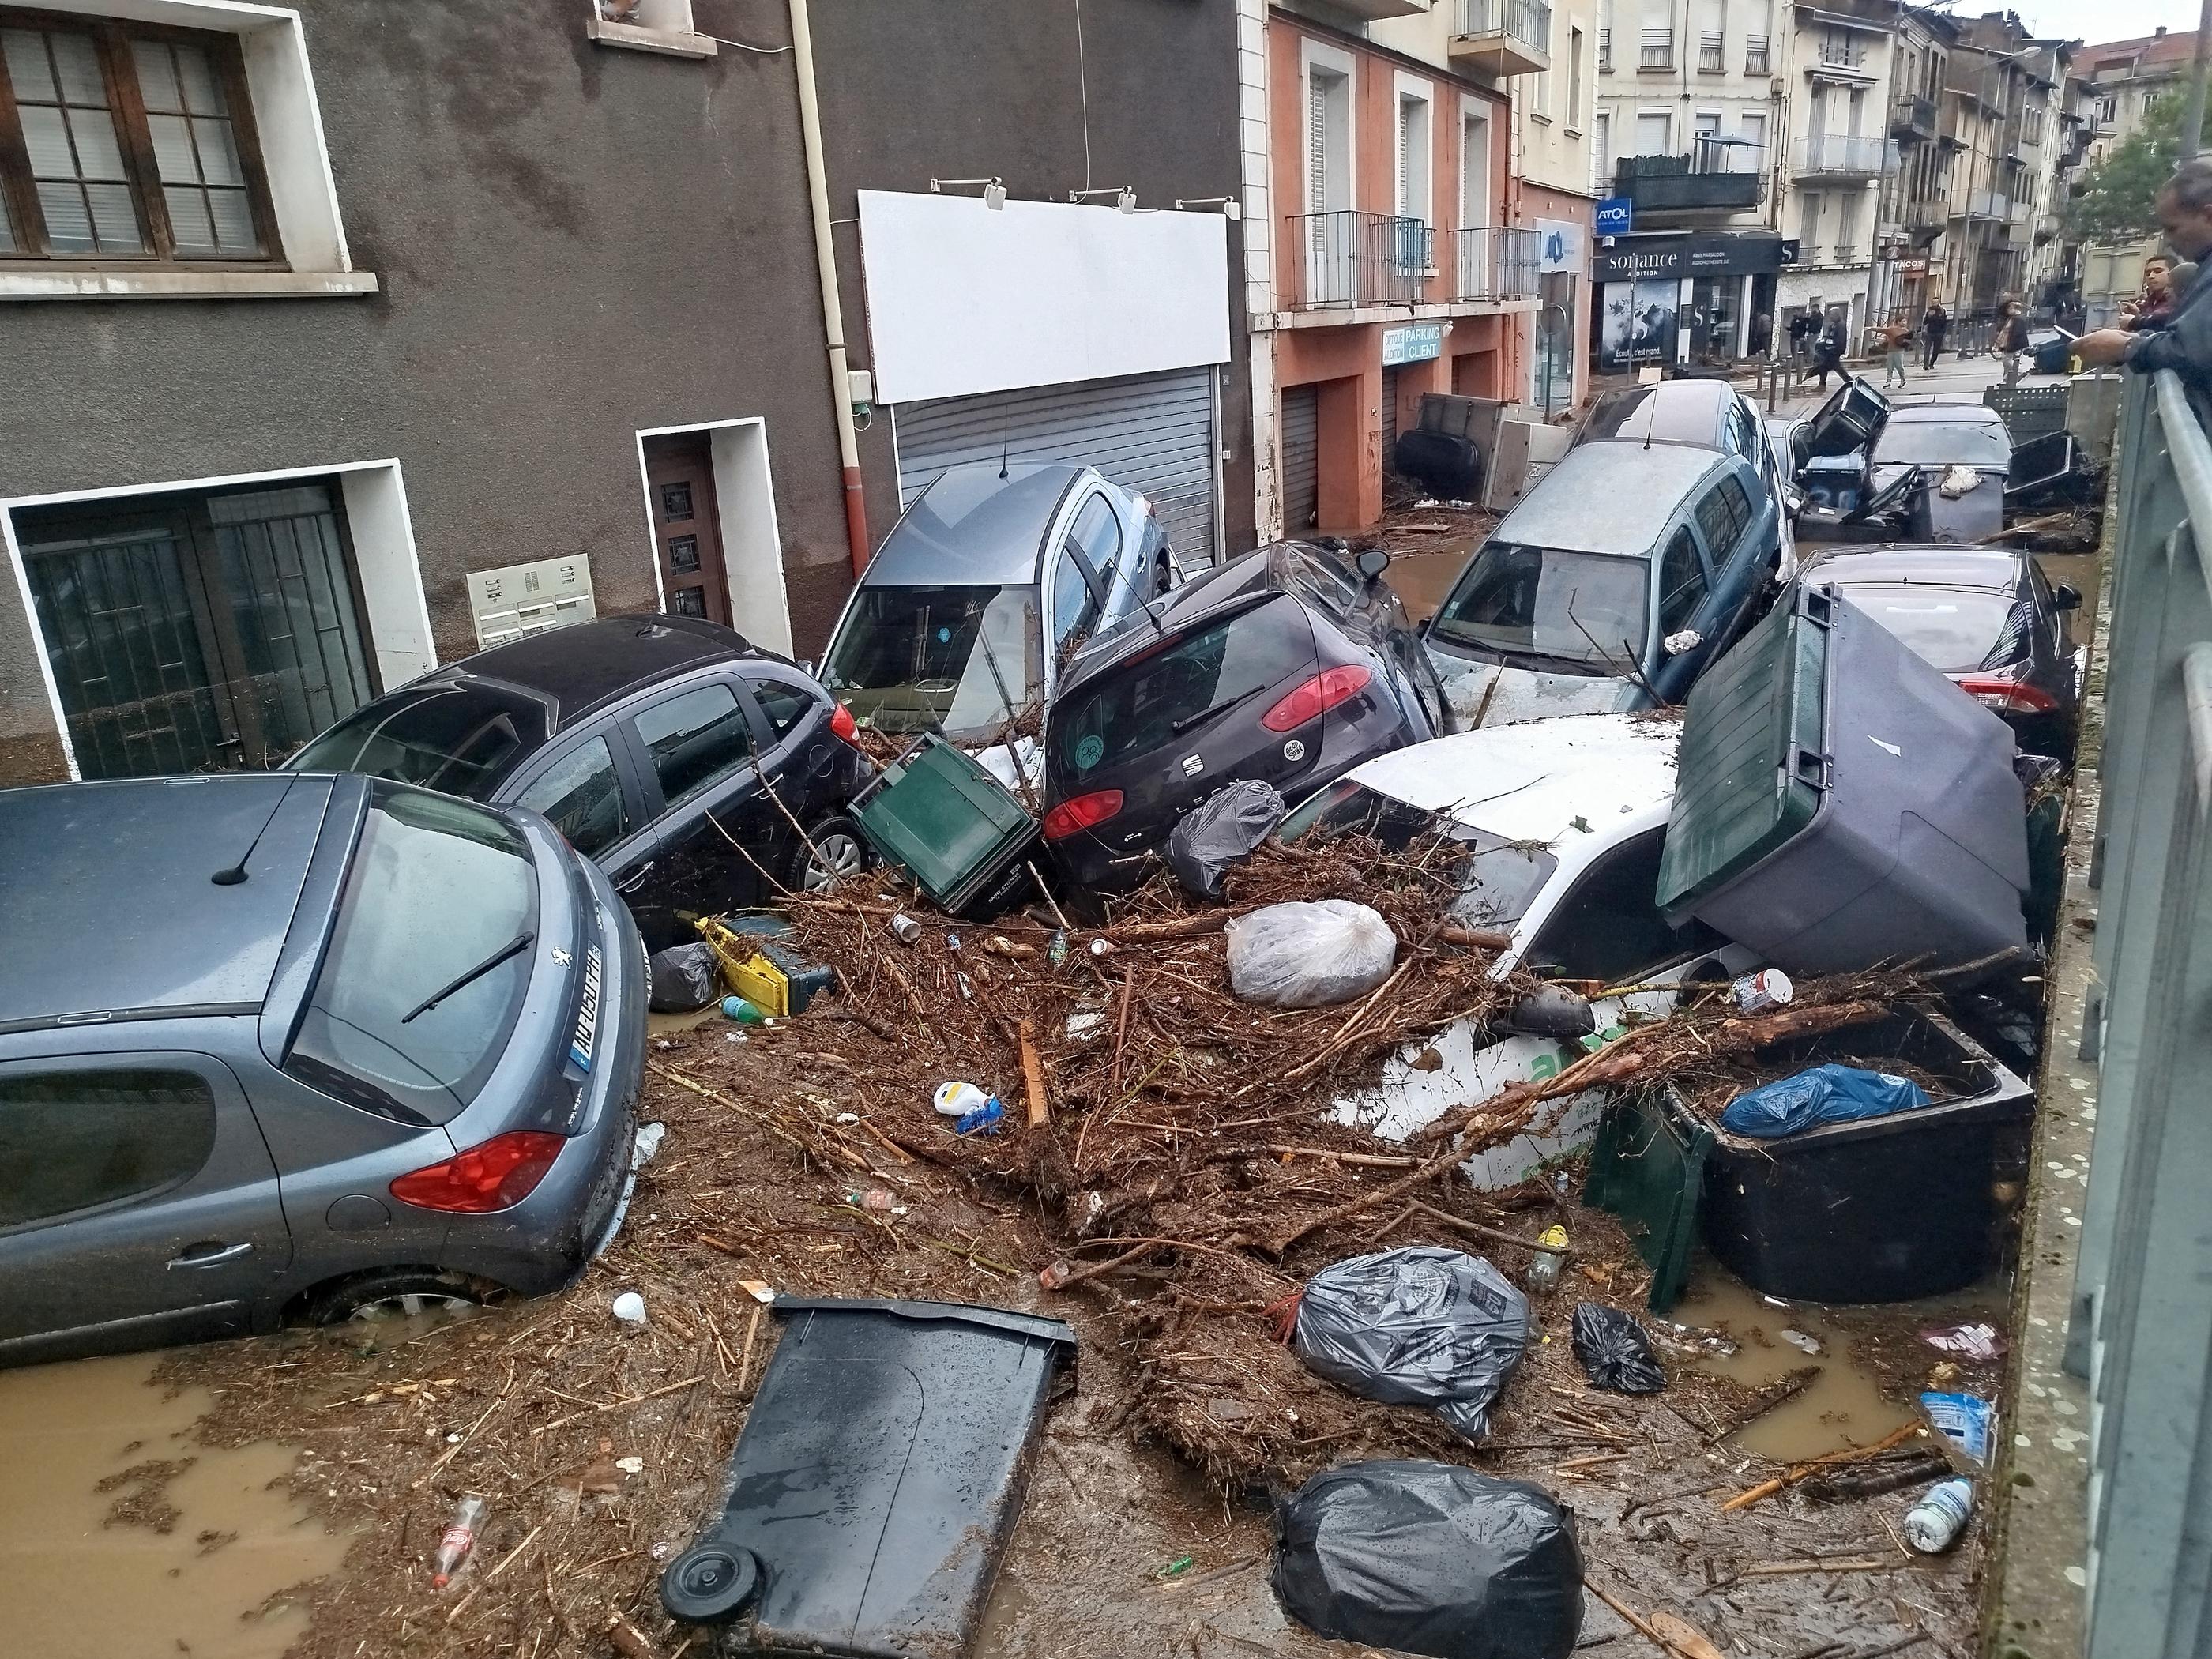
[(2184, 343)]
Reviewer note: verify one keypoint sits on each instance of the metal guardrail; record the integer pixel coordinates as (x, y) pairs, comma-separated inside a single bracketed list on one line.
[(1493, 262), (1347, 258), (2141, 1326)]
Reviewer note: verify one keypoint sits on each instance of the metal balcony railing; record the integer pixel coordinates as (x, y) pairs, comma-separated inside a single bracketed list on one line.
[(1989, 204), (1712, 53), (2141, 1321), (1492, 262), (1758, 54), (1836, 153), (1605, 52), (1717, 176), (1347, 258), (1843, 55), (1529, 21), (1656, 51), (1912, 116)]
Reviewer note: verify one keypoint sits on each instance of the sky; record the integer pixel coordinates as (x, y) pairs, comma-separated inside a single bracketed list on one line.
[(2092, 20)]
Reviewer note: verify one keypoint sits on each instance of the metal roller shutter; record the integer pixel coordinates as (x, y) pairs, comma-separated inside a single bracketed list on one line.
[(1150, 433), (1301, 459), (1389, 414)]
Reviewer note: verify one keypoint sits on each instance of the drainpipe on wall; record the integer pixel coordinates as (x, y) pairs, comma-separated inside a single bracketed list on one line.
[(833, 314)]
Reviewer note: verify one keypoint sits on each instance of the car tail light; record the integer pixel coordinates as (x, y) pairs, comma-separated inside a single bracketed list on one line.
[(1315, 698), (2000, 689), (1071, 816), (842, 725), (496, 1176)]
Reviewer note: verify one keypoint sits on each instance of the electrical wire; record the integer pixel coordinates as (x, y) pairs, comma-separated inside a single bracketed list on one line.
[(764, 51), (1082, 91)]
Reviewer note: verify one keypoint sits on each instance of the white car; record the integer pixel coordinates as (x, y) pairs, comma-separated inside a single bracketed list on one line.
[(1567, 818)]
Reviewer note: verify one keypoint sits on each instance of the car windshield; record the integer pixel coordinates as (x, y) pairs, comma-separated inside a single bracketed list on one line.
[(437, 888), (1953, 629), (1501, 878), (1942, 443), (461, 739), (963, 658), (1151, 700), (1587, 611)]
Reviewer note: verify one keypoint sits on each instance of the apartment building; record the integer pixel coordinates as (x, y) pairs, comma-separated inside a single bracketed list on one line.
[(2112, 87), (1914, 198), (1692, 107), (1385, 252), (344, 339), (1840, 150), (2000, 127)]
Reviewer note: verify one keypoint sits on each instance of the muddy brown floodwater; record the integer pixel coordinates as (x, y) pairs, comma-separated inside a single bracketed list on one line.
[(121, 1537)]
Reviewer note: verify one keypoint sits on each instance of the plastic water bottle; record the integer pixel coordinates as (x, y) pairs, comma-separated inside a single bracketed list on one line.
[(460, 1538), (1550, 1260), (1937, 1520)]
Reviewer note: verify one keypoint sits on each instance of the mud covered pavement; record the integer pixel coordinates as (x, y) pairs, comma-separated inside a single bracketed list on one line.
[(600, 1449)]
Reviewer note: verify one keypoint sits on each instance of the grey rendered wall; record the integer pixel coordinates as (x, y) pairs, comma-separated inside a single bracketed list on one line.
[(575, 241), (969, 89)]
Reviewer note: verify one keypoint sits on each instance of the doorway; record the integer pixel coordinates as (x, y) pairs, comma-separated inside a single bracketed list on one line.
[(687, 526), (198, 632)]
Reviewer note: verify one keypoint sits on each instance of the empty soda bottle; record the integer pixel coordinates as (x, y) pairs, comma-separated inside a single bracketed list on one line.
[(1549, 1260), (459, 1539)]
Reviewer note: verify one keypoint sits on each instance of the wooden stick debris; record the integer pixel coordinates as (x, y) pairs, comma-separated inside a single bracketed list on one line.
[(1791, 1476), (1642, 1625), (508, 1561), (1785, 1569), (1033, 1075), (614, 1405), (745, 1358), (448, 1456)]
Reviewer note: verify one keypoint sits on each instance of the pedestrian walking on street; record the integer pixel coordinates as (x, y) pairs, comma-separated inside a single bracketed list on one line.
[(1895, 337), (2010, 338), (1827, 351), (1935, 324)]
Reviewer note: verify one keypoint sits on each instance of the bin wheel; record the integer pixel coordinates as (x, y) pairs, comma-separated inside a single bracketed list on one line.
[(710, 1583)]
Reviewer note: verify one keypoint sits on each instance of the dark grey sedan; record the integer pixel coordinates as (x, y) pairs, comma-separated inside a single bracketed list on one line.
[(298, 1046)]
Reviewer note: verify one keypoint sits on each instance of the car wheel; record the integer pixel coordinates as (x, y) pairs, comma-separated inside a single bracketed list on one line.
[(395, 1293), (839, 850)]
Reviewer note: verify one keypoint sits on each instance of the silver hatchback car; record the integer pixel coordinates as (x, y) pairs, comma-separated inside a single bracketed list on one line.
[(279, 1047)]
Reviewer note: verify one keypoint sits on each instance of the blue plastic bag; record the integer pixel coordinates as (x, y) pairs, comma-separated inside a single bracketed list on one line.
[(1825, 1093)]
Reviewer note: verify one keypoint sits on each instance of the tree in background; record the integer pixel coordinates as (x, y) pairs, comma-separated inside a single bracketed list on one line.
[(2116, 202)]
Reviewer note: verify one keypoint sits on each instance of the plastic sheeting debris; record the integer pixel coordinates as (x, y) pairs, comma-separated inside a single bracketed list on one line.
[(1416, 1326)]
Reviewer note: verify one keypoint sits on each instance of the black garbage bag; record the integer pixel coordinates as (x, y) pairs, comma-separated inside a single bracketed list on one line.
[(684, 979), (1416, 1326), (1429, 1557), (1220, 832), (1615, 1351)]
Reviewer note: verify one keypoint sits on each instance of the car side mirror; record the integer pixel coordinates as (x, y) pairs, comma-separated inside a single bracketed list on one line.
[(1372, 563), (2065, 597)]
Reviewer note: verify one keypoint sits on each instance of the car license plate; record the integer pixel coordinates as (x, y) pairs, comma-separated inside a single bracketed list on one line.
[(587, 1018)]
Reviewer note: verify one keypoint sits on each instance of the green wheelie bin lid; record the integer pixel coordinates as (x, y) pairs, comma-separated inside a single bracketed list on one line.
[(1649, 1168), (953, 825), (1752, 771)]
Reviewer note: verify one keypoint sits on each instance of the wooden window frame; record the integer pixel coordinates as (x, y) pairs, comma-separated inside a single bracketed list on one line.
[(111, 38)]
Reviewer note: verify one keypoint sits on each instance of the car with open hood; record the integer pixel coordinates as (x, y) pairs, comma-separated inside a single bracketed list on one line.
[(1611, 584), (993, 578)]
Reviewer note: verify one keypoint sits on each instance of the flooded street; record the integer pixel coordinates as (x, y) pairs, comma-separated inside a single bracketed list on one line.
[(120, 1537)]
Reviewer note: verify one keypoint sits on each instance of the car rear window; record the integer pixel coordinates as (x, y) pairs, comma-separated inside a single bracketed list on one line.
[(1940, 443), (1150, 701), (437, 888), (459, 739), (965, 658), (1953, 629)]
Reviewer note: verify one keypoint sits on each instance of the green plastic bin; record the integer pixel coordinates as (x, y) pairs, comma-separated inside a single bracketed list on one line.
[(1839, 802), (1649, 1168), (956, 828)]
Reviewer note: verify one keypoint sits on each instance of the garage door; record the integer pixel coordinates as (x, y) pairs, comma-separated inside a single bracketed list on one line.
[(1150, 433), (1301, 459), (1389, 414)]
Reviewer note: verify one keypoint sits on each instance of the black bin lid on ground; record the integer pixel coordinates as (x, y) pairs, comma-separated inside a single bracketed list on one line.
[(881, 1471)]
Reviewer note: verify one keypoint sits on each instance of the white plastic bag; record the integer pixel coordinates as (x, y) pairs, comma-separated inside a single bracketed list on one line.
[(1307, 956)]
